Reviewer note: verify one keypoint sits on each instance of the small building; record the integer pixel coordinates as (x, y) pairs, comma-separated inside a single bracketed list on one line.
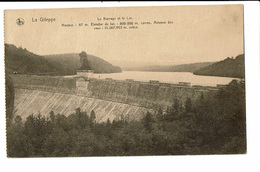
[(185, 83), (221, 85), (154, 82)]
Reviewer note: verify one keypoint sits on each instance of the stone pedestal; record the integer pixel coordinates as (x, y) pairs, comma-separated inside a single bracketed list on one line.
[(83, 77), (85, 73)]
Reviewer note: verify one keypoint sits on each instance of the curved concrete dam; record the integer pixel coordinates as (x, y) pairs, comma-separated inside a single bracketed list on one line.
[(108, 98), (29, 102)]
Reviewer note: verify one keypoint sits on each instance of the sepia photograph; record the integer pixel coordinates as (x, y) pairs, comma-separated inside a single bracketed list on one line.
[(125, 81)]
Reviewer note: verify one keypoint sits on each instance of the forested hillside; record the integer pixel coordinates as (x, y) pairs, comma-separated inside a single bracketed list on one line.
[(230, 67), (171, 68), (23, 61), (72, 62)]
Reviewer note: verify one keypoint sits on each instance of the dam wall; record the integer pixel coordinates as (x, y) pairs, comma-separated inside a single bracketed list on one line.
[(45, 83), (150, 95), (144, 94), (32, 101)]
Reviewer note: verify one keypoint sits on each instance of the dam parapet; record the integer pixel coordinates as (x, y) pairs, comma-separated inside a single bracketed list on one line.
[(151, 95)]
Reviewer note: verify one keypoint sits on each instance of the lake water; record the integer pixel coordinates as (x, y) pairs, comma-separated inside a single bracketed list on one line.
[(168, 77)]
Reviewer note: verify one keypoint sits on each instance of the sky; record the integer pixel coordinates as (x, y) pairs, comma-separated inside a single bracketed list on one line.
[(196, 34)]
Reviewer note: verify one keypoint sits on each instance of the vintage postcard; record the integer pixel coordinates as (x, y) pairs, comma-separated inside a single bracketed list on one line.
[(125, 81)]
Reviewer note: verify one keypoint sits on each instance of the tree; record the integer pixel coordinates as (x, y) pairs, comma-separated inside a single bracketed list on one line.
[(160, 114), (188, 105), (18, 121), (17, 145), (148, 121), (92, 118), (52, 116), (176, 104)]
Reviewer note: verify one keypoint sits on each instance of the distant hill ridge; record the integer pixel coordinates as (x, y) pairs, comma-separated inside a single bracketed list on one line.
[(230, 67), (171, 68), (25, 62)]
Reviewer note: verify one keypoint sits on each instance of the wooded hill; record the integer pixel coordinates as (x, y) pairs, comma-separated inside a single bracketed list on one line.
[(71, 62), (23, 61), (230, 67)]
